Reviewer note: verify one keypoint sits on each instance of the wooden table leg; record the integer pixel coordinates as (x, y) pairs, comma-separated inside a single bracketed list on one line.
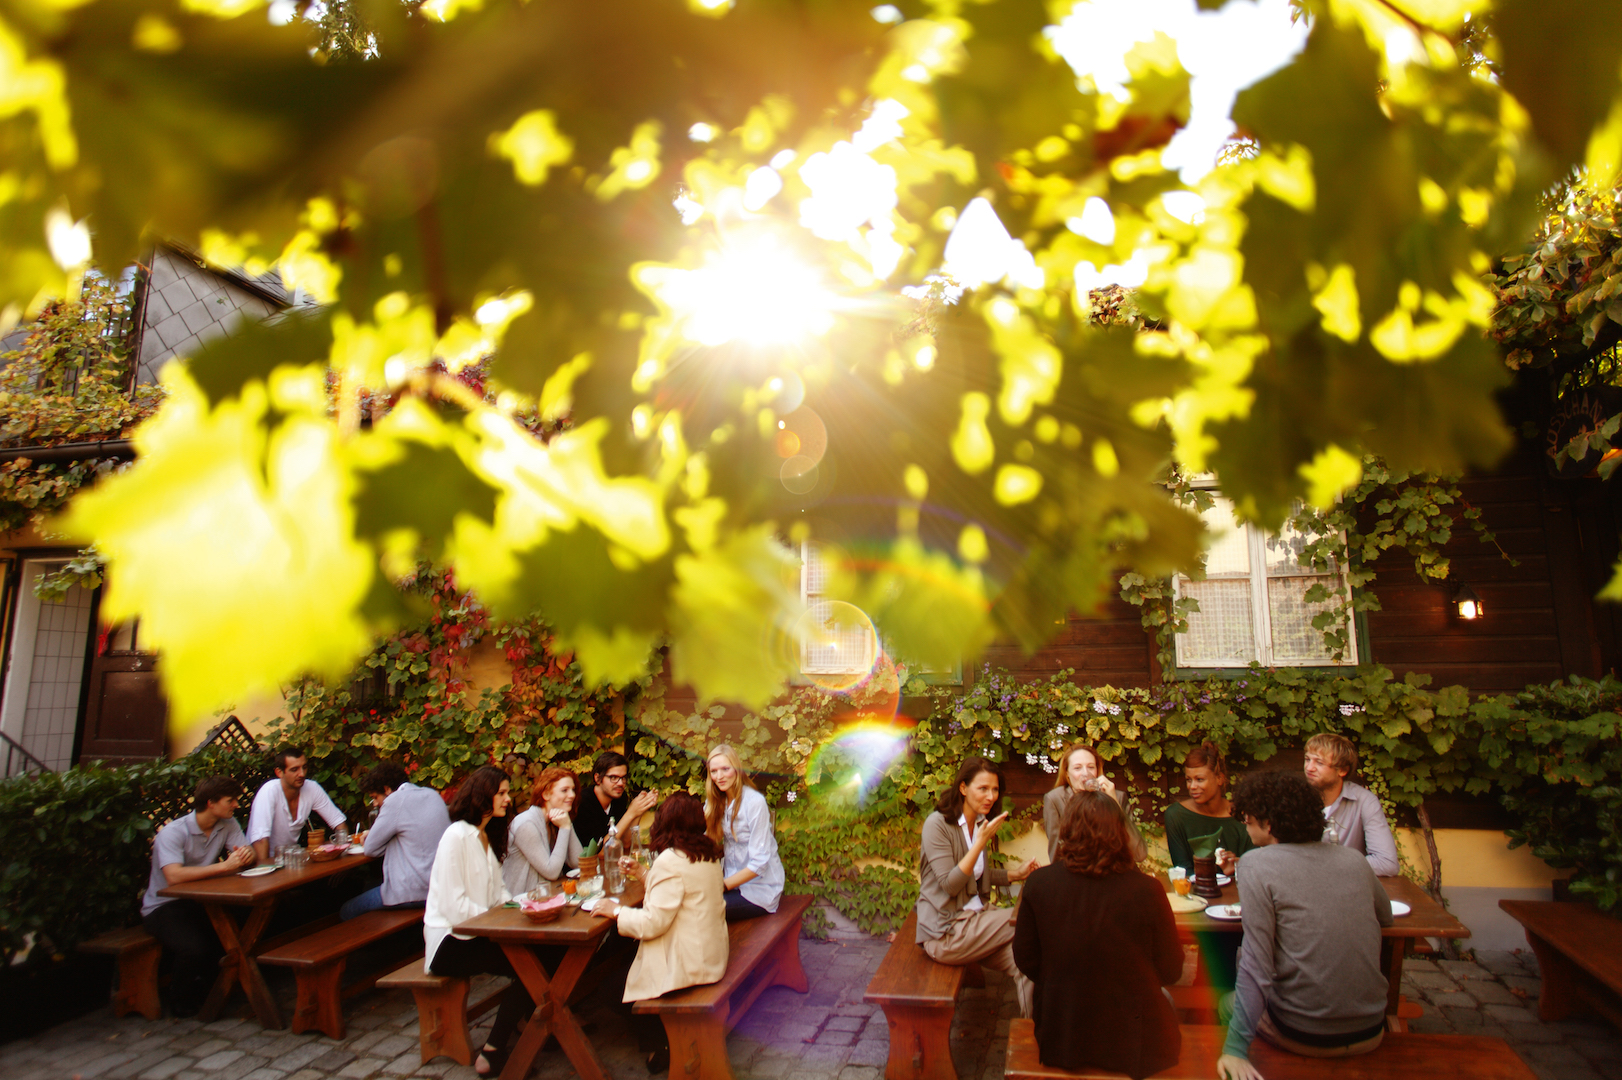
[(552, 1015), (239, 964), (1393, 950)]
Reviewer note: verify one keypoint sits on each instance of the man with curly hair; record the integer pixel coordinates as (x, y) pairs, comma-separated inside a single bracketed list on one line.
[(1309, 969)]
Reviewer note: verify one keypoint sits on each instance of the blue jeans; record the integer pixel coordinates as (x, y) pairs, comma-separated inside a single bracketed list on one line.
[(739, 909), (372, 900)]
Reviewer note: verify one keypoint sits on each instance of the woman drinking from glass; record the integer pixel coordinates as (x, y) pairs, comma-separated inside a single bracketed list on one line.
[(543, 844), (464, 884), (955, 877), (682, 921), (737, 818), (1079, 771), (1097, 938)]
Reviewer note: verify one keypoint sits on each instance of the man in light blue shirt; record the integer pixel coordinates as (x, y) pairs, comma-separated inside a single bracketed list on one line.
[(1359, 821), (189, 849), (410, 821)]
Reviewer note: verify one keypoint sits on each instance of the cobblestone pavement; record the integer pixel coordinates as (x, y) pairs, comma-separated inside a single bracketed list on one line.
[(827, 1034)]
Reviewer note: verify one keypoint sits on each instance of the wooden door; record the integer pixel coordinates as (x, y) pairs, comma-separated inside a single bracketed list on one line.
[(126, 716)]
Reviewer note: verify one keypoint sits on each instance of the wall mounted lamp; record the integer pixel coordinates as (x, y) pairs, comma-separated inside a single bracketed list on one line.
[(1468, 603)]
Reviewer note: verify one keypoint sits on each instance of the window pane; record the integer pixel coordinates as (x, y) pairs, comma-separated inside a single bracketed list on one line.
[(815, 570), (1230, 549), (1284, 551), (1220, 634), (1294, 637), (839, 639)]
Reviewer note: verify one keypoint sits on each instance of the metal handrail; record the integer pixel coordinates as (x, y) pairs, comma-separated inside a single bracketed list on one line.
[(18, 761)]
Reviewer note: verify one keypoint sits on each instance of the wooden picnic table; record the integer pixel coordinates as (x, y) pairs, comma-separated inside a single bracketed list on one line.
[(580, 934), (1427, 919), (242, 945)]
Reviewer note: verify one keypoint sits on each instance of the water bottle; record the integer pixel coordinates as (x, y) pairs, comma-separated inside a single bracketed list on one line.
[(1331, 831), (613, 876)]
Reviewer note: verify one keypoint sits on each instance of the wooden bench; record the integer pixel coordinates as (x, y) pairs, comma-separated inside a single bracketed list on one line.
[(1579, 951), (918, 997), (442, 1009), (1403, 1056), (318, 961), (137, 953), (763, 952)]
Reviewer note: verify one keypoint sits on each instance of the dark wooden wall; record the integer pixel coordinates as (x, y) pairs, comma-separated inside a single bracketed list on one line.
[(1541, 621)]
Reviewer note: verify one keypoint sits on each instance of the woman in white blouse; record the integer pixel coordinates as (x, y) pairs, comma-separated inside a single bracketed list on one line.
[(682, 921), (465, 883), (737, 818), (542, 844)]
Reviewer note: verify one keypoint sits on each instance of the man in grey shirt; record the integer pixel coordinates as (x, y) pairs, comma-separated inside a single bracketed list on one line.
[(1357, 816), (189, 849), (410, 821), (1309, 969)]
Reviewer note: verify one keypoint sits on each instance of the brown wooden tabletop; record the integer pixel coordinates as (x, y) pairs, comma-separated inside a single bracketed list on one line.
[(247, 891), (576, 928), (1427, 919)]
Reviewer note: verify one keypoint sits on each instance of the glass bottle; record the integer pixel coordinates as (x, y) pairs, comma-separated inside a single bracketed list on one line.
[(613, 876)]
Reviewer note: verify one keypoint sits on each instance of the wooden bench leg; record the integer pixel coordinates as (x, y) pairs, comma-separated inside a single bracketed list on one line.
[(698, 1046), (320, 1001), (1560, 996), (920, 1043), (138, 981), (974, 975), (442, 1018), (786, 967)]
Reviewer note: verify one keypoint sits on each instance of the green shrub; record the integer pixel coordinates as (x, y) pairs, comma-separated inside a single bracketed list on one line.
[(76, 846)]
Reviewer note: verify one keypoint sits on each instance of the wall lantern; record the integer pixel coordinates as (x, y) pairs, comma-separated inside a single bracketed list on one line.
[(1468, 603)]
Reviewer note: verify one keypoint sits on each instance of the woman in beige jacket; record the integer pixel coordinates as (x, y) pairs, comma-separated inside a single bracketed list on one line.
[(682, 921)]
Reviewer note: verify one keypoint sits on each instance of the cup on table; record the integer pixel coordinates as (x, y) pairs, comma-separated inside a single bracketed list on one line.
[(570, 885), (316, 837), (1180, 884), (541, 891)]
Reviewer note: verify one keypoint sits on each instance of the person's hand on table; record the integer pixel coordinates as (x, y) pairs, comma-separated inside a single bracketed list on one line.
[(1229, 1067), (1226, 861), (240, 858), (607, 908)]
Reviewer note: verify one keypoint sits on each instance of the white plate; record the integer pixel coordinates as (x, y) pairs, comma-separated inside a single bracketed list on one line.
[(1399, 909), (1223, 911), (355, 849), (590, 904), (260, 870), (1224, 879)]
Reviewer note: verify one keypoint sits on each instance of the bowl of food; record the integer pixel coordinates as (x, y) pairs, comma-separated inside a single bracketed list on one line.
[(327, 852), (544, 911)]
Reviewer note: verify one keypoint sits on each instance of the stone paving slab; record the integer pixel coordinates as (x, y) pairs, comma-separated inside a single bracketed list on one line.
[(828, 1034)]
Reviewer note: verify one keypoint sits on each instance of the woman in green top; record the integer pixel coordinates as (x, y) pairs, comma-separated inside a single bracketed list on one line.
[(1205, 811)]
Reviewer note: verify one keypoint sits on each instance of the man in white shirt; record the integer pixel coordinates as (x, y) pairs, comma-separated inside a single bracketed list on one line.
[(283, 805), (1359, 820), (410, 822), (189, 849)]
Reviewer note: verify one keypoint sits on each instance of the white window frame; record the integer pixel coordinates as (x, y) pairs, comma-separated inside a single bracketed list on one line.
[(951, 675), (1261, 620)]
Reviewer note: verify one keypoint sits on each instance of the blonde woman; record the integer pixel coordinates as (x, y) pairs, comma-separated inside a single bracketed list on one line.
[(737, 818), (543, 846), (1079, 770)]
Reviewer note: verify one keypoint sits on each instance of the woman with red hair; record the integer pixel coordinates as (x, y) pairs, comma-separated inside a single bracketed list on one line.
[(1097, 938), (543, 844)]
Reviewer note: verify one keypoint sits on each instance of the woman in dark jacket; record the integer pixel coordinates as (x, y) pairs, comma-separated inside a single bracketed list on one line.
[(1097, 937)]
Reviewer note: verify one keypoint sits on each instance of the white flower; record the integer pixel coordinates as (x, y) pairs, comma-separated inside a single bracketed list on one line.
[(793, 795), (1055, 744), (1347, 710), (996, 733), (1115, 710), (1030, 759), (1099, 706), (1062, 729)]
